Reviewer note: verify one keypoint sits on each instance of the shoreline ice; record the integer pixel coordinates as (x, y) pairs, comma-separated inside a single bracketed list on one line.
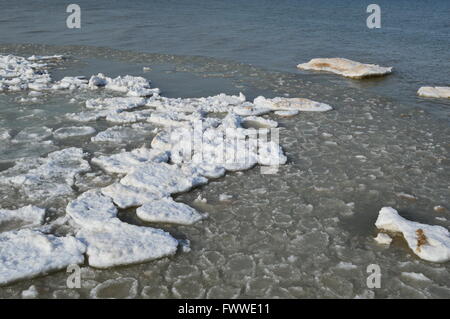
[(435, 92), (431, 243), (146, 177), (345, 67)]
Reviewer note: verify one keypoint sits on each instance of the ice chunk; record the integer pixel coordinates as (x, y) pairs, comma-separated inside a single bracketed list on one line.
[(30, 293), (116, 134), (131, 85), (126, 162), (91, 208), (129, 196), (162, 177), (383, 239), (286, 113), (49, 178), (116, 104), (73, 131), (26, 254), (45, 57), (71, 83), (30, 134), (289, 104), (430, 243), (166, 210), (345, 67), (117, 243), (416, 276), (436, 92), (25, 216), (259, 121)]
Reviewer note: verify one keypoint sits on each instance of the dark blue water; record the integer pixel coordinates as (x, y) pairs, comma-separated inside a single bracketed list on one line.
[(414, 36)]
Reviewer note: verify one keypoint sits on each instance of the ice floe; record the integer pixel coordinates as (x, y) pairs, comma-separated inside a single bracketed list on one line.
[(290, 104), (345, 67), (162, 177), (47, 178), (117, 243), (125, 196), (126, 162), (430, 243), (436, 91), (166, 210), (24, 216), (27, 254), (383, 239), (73, 131), (131, 85), (91, 209), (18, 73)]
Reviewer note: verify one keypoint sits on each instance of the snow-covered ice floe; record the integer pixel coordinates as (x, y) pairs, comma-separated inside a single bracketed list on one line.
[(73, 131), (166, 210), (44, 179), (117, 243), (436, 91), (25, 216), (431, 243), (291, 104), (345, 67), (27, 254)]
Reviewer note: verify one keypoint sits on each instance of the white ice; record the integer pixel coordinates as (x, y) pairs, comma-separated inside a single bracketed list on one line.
[(345, 67), (430, 243), (436, 92), (166, 210), (27, 254), (25, 216)]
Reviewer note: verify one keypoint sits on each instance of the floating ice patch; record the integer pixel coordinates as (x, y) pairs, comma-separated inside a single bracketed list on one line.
[(91, 208), (125, 196), (18, 73), (289, 104), (250, 110), (26, 216), (287, 113), (128, 117), (383, 239), (27, 254), (45, 179), (345, 67), (430, 243), (131, 85), (214, 104), (30, 134), (71, 83), (73, 131), (118, 243), (436, 92), (166, 210), (56, 57), (116, 104), (259, 121), (116, 134), (162, 177), (126, 162)]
